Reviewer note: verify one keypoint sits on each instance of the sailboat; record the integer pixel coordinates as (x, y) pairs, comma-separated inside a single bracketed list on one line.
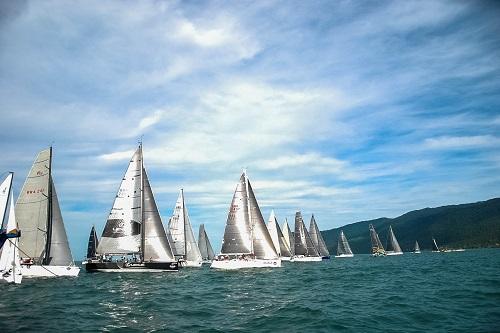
[(288, 236), (10, 271), (417, 248), (206, 250), (278, 239), (318, 240), (343, 248), (377, 248), (92, 246), (246, 242), (134, 230), (179, 227), (304, 246), (393, 248), (44, 246), (435, 247)]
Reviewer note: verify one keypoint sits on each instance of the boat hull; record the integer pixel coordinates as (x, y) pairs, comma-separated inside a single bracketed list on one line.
[(123, 267), (417, 252), (190, 263), (325, 257), (393, 253), (305, 259), (242, 264), (11, 277), (285, 258), (344, 256), (33, 271)]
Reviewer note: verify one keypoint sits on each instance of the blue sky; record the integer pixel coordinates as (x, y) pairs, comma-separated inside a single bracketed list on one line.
[(350, 110)]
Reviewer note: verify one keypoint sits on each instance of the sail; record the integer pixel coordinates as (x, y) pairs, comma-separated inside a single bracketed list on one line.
[(434, 245), (59, 251), (317, 239), (192, 251), (176, 227), (5, 191), (417, 247), (288, 236), (206, 250), (121, 235), (376, 244), (263, 247), (237, 237), (93, 242), (277, 236), (32, 208), (343, 246), (303, 243), (9, 253), (156, 244), (393, 245)]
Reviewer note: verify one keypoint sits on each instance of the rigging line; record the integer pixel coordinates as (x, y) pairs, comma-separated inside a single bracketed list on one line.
[(48, 270)]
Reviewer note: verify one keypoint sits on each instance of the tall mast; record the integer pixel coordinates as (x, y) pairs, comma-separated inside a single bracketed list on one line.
[(48, 228), (249, 211), (143, 226)]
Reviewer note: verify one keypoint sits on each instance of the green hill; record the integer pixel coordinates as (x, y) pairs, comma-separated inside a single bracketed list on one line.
[(456, 226)]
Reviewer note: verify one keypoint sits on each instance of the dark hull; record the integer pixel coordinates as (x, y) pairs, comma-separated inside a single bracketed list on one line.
[(325, 257), (131, 266)]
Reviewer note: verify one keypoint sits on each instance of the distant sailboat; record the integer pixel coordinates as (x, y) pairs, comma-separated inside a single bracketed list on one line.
[(288, 236), (10, 271), (377, 248), (417, 248), (92, 246), (435, 247), (134, 230), (393, 248), (304, 246), (206, 250), (279, 241), (44, 244), (343, 248), (318, 240), (246, 242), (179, 227)]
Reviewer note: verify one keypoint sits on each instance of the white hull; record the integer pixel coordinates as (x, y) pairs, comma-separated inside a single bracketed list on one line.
[(190, 263), (417, 252), (241, 264), (393, 253), (49, 271), (285, 258), (12, 277), (345, 256), (305, 259)]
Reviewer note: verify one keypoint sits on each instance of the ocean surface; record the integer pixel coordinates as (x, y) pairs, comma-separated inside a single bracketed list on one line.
[(430, 292)]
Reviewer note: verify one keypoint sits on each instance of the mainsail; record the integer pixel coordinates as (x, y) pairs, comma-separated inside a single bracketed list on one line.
[(435, 247), (392, 242), (181, 232), (303, 243), (93, 243), (287, 233), (206, 250), (279, 241), (376, 244), (343, 246), (317, 239), (417, 247), (39, 216)]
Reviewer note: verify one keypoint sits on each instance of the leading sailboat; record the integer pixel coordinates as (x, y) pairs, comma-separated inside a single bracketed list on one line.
[(44, 244), (179, 227), (279, 241), (377, 248), (343, 248), (134, 230), (318, 240), (393, 248), (206, 250), (10, 271), (304, 246), (246, 242)]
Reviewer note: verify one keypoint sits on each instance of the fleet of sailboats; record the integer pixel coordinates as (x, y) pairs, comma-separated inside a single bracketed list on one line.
[(206, 250), (343, 248), (304, 246), (279, 241)]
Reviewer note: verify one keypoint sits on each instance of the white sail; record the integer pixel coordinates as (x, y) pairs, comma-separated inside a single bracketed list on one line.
[(59, 251), (206, 250), (288, 236), (303, 243), (393, 245), (277, 236), (417, 247), (435, 247), (343, 247), (121, 234), (317, 239), (5, 189)]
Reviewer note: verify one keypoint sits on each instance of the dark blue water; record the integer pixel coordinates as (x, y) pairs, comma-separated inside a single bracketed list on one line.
[(430, 292)]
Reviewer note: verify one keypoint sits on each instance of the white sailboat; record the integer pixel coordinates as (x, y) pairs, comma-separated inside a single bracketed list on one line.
[(184, 245), (44, 247), (304, 246), (343, 248), (318, 240), (417, 248), (246, 242), (377, 248), (278, 238), (206, 250), (10, 270), (288, 236), (393, 248), (133, 239), (435, 247)]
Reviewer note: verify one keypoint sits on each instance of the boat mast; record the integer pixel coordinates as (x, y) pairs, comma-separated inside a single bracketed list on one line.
[(249, 211), (48, 228), (143, 226)]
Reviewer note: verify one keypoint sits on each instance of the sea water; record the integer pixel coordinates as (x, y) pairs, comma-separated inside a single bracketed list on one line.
[(428, 292)]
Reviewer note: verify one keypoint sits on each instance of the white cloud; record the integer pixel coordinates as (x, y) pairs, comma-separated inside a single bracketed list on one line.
[(461, 142)]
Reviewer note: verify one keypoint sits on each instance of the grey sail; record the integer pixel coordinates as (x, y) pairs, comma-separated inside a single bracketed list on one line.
[(277, 236), (376, 244), (317, 239), (237, 237), (59, 251), (263, 247), (92, 244), (393, 245), (121, 234), (32, 208), (343, 246), (156, 244), (417, 247), (303, 243), (288, 236), (192, 251), (206, 250)]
